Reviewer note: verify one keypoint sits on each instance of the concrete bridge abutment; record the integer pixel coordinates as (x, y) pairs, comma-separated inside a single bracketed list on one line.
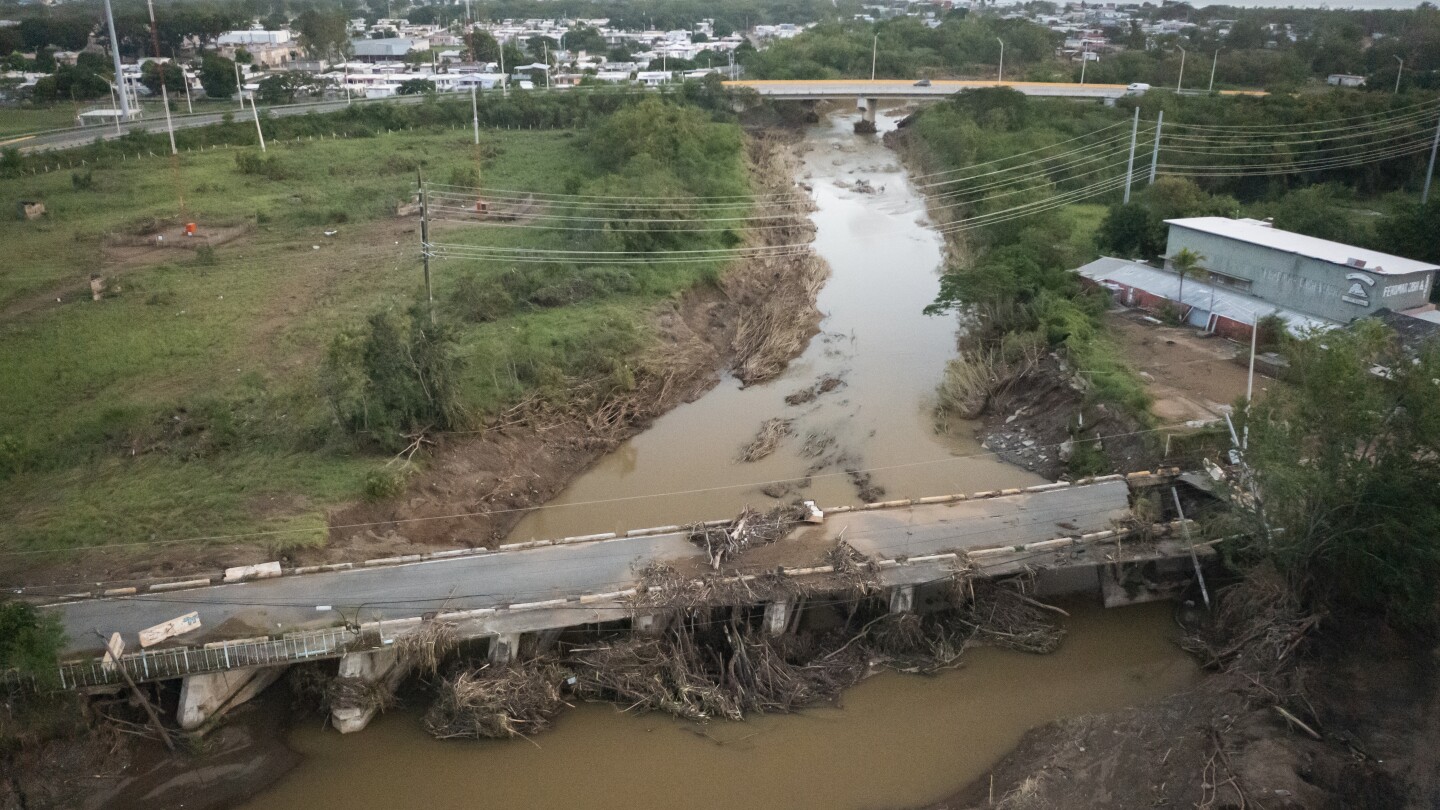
[(207, 697), (380, 671)]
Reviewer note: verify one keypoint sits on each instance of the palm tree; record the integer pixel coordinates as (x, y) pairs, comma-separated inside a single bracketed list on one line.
[(1187, 263)]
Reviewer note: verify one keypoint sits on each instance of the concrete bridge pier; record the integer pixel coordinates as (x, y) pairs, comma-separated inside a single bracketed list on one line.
[(207, 697), (867, 107), (902, 599), (382, 670), (650, 624), (782, 617), (504, 648), (544, 641)]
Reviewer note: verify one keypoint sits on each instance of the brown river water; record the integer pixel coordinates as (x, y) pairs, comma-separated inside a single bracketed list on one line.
[(898, 740), (884, 269)]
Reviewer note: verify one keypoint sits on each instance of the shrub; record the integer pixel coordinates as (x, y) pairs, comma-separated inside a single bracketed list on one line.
[(383, 483)]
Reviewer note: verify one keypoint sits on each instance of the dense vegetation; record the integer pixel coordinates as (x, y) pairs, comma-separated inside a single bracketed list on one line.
[(218, 373), (1348, 464), (962, 45), (1014, 248)]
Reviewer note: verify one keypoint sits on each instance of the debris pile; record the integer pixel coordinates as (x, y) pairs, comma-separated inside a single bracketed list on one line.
[(767, 439), (486, 703), (751, 528)]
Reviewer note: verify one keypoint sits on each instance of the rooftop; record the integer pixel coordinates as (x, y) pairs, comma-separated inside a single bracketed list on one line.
[(1203, 295), (1259, 233)]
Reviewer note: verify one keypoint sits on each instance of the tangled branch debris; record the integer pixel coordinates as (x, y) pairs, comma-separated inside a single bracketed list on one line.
[(715, 661), (766, 440), (1002, 616), (751, 528), (709, 672), (1259, 625), (423, 648), (488, 703)]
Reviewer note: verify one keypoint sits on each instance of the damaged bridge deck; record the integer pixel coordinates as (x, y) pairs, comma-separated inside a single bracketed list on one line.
[(254, 629)]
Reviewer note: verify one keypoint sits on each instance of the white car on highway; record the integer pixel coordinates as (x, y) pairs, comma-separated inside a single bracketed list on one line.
[(1136, 88)]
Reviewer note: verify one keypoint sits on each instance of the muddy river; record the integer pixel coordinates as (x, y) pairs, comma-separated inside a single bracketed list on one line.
[(898, 740), (885, 262)]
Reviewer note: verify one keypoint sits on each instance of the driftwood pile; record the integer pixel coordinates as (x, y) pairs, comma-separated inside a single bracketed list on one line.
[(750, 528), (726, 671), (713, 660), (506, 702)]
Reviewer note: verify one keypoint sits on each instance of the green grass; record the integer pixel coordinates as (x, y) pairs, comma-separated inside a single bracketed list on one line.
[(20, 120), (177, 406)]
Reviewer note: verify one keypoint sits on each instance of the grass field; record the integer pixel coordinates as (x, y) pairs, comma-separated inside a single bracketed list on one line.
[(186, 403)]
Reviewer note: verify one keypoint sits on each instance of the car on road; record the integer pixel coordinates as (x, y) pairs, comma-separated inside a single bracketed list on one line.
[(923, 83), (1136, 88)]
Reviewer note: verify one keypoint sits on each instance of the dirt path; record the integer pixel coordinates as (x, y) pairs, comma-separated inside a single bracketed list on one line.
[(1189, 376)]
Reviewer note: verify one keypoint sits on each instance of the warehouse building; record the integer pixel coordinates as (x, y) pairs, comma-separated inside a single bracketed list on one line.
[(1250, 269), (1334, 281)]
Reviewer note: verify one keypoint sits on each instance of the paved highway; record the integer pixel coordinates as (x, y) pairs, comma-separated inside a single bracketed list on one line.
[(79, 136), (503, 578), (892, 89)]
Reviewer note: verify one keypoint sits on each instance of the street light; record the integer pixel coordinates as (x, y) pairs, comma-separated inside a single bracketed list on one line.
[(1399, 71), (1084, 57), (1181, 77), (874, 52), (1213, 63), (1000, 77)]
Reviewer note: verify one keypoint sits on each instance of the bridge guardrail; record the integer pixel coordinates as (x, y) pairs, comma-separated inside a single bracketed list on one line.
[(177, 662)]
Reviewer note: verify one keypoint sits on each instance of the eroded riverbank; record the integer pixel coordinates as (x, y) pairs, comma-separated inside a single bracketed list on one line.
[(858, 403)]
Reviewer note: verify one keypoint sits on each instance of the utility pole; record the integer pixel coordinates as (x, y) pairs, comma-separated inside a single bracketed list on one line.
[(504, 80), (1213, 63), (1430, 173), (1181, 77), (258, 131), (118, 112), (1130, 164), (115, 56), (239, 85), (189, 108), (475, 114), (1155, 156), (874, 52), (1000, 76), (164, 94), (425, 243), (1398, 72), (1084, 57)]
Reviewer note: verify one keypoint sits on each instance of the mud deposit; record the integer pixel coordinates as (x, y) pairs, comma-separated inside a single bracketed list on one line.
[(897, 741)]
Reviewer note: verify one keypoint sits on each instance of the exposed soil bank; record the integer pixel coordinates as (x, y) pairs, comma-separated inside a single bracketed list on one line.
[(1033, 415), (110, 767), (759, 316), (1376, 705)]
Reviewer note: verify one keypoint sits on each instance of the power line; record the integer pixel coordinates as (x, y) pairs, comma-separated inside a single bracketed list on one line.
[(540, 507)]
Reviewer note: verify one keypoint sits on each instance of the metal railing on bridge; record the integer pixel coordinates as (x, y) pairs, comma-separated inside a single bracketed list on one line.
[(177, 662)]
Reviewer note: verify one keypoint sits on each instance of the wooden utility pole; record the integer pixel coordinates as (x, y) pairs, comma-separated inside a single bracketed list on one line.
[(140, 696), (425, 244)]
